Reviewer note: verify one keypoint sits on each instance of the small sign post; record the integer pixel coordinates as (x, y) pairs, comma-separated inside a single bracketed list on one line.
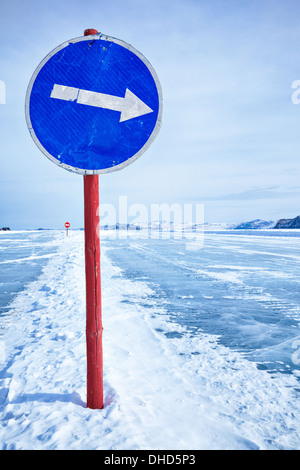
[(67, 225), (93, 106)]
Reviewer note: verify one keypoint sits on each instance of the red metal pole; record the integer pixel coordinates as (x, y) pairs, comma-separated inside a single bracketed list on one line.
[(93, 293), (93, 288)]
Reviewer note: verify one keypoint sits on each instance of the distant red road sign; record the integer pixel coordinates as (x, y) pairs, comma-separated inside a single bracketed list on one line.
[(67, 224)]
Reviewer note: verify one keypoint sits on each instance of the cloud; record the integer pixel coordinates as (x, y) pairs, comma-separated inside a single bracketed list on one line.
[(257, 194)]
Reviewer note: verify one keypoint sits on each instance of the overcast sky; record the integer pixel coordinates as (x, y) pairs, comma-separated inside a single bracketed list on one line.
[(230, 135)]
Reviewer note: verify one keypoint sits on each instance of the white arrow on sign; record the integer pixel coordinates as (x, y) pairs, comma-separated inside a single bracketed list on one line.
[(130, 106)]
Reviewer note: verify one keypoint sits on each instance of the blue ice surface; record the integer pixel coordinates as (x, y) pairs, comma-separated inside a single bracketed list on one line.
[(22, 258), (242, 286)]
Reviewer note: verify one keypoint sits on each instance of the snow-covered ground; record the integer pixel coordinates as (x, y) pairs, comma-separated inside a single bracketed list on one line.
[(165, 387)]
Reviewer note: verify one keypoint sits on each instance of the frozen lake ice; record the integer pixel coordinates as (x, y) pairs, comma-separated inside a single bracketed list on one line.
[(200, 342), (242, 286), (22, 257)]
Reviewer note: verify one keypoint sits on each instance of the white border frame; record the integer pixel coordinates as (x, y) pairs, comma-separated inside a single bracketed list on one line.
[(131, 159)]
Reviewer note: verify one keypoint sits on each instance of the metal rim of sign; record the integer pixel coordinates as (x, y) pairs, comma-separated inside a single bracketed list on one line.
[(126, 162)]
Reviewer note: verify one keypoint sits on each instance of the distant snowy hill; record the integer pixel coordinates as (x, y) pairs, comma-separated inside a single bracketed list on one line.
[(169, 226), (256, 224), (207, 226), (288, 223)]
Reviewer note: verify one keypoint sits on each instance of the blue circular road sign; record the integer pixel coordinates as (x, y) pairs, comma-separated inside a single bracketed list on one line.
[(94, 104)]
